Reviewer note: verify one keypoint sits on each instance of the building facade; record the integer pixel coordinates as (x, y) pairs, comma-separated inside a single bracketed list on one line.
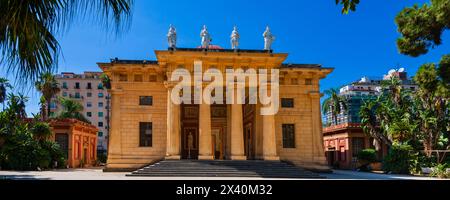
[(146, 126), (344, 137), (78, 140), (87, 88)]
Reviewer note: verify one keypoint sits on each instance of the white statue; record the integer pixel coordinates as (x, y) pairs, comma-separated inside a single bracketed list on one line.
[(206, 38), (268, 39), (235, 38), (172, 37)]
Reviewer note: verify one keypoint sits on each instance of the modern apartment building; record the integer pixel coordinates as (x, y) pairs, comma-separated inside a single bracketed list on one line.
[(344, 137), (88, 89)]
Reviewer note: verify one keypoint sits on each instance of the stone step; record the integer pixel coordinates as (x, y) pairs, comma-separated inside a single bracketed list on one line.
[(197, 168)]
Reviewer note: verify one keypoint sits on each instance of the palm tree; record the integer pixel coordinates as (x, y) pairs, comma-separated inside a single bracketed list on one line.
[(28, 28), (17, 105), (71, 109), (370, 122), (334, 104), (41, 131), (4, 85), (48, 86)]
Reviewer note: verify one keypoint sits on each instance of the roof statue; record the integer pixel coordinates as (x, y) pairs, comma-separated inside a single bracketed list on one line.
[(172, 37), (206, 37), (235, 38), (268, 39)]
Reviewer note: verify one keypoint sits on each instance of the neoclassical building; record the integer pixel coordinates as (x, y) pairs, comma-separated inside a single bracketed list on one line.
[(147, 127)]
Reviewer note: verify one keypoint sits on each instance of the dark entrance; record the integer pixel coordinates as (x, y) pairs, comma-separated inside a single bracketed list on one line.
[(189, 131), (63, 140)]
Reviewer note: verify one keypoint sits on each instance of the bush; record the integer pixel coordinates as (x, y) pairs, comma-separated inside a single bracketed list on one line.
[(56, 154), (368, 156), (440, 171), (401, 159), (102, 158)]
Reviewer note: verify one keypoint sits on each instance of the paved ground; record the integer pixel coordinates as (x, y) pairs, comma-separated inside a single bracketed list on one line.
[(97, 174)]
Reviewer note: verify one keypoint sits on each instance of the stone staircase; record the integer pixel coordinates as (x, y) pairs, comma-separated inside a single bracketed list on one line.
[(223, 168)]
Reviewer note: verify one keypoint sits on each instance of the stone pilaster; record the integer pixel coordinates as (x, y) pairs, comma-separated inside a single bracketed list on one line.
[(173, 128), (205, 143), (269, 139), (237, 133)]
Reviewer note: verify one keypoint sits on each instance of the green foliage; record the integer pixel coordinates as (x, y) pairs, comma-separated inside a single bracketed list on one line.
[(368, 156), (48, 87), (401, 159), (106, 81), (27, 32), (334, 104), (41, 131), (102, 158), (71, 109), (440, 171), (348, 5), (422, 27), (444, 69)]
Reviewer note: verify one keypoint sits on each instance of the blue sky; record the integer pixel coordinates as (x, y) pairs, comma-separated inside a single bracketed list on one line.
[(361, 43)]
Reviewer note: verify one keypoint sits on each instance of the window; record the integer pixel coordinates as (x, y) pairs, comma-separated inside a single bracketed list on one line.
[(123, 77), (100, 95), (138, 78), (100, 86), (287, 103), (145, 134), (357, 146), (146, 101), (64, 94), (77, 85), (100, 114), (89, 94), (100, 104), (89, 86), (152, 78), (288, 136), (89, 114), (100, 134), (53, 105), (308, 81), (77, 95), (100, 124), (65, 85), (88, 104)]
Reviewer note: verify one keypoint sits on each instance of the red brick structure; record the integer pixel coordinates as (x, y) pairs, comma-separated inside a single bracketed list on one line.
[(78, 140), (343, 143)]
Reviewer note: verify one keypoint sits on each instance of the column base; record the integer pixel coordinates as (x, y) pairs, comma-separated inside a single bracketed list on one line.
[(205, 157), (238, 157), (173, 157), (271, 158)]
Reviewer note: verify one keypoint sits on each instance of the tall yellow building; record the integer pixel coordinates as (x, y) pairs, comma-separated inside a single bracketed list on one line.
[(147, 127)]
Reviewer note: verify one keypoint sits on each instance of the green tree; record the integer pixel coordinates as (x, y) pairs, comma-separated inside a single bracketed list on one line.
[(348, 5), (48, 87), (335, 104), (41, 131), (71, 109), (421, 27), (4, 86), (27, 32), (432, 101)]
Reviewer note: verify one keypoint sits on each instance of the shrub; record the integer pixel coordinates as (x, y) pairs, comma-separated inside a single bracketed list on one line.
[(401, 159), (366, 157), (440, 171), (102, 158), (56, 154)]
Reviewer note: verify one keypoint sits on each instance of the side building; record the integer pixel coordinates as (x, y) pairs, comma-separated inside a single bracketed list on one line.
[(344, 137), (87, 88)]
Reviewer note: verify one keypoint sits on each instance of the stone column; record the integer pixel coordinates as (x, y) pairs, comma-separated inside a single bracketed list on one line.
[(115, 136), (317, 137), (173, 129), (237, 133), (205, 143), (269, 138)]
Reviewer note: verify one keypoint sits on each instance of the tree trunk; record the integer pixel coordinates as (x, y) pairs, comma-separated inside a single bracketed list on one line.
[(48, 109)]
